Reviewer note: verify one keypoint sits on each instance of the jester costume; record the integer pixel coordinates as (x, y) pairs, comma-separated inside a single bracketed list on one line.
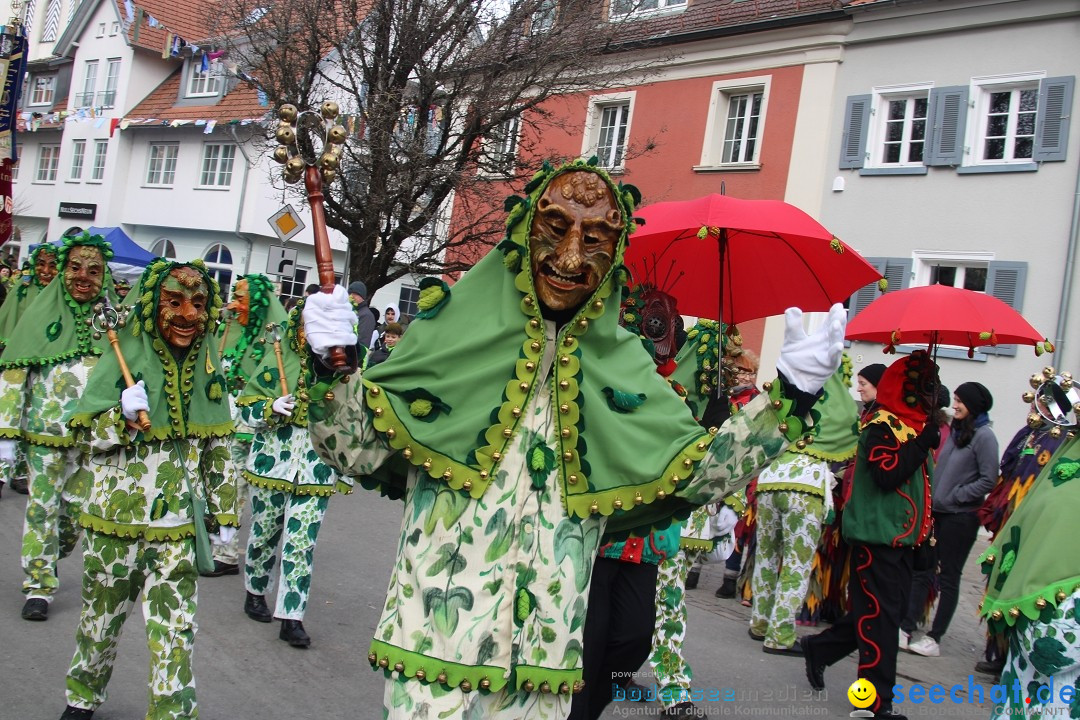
[(243, 344), (516, 464), (291, 486), (43, 372), (1033, 594), (794, 496), (138, 514)]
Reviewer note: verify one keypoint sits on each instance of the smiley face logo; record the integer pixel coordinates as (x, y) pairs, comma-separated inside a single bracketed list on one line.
[(862, 693)]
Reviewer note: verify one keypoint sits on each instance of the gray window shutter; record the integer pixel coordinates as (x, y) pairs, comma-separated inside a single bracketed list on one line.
[(898, 273), (1006, 281), (1052, 122), (896, 270), (856, 123), (948, 117)]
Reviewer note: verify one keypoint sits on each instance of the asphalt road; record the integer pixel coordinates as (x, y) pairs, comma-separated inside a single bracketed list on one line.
[(244, 672)]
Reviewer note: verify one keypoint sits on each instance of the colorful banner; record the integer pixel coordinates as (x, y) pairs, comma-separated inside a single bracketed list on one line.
[(13, 67), (8, 201)]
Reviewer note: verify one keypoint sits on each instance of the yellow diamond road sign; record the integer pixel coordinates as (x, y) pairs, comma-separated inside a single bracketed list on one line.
[(286, 223)]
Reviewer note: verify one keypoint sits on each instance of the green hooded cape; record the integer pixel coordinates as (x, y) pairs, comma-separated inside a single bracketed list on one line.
[(1032, 562), (53, 328), (243, 348), (451, 394), (21, 294), (835, 431), (186, 400)]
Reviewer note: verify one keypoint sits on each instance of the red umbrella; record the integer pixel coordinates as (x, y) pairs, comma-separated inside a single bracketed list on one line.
[(762, 256), (943, 315)]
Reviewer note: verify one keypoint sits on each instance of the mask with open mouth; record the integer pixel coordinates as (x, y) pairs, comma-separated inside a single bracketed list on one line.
[(183, 309), (241, 301), (573, 239), (45, 265), (84, 273)]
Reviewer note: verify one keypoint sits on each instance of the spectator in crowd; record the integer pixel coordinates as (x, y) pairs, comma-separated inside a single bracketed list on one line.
[(312, 288), (365, 321), (966, 471), (867, 383), (385, 344)]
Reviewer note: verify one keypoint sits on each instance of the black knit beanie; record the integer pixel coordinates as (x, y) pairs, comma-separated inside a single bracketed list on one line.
[(976, 398), (872, 373)]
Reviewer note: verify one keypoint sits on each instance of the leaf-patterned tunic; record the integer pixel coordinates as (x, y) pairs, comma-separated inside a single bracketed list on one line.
[(282, 458), (491, 592), (36, 403), (140, 489)]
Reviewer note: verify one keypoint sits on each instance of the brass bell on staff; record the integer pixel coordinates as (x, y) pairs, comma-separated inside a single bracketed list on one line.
[(309, 139)]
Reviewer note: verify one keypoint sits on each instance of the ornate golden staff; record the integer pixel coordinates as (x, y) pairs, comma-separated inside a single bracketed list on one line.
[(311, 145), (104, 321), (272, 328)]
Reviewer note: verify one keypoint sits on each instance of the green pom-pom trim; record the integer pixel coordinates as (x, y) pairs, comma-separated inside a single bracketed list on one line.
[(883, 284), (1064, 471), (434, 294), (1007, 562), (512, 260), (420, 408), (523, 606), (623, 402)]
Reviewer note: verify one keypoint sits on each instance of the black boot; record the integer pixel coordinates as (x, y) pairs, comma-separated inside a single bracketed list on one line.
[(35, 609), (74, 713), (19, 485), (692, 579), (221, 568), (292, 632), (726, 589), (255, 607)]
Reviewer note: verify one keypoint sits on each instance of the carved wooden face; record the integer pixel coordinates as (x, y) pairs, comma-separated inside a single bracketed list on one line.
[(241, 301), (572, 240), (183, 310), (45, 267), (659, 321), (84, 273)]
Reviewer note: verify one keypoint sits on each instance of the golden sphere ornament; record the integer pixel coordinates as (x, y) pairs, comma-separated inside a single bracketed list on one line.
[(294, 166), (288, 113), (336, 135), (329, 109), (286, 134)]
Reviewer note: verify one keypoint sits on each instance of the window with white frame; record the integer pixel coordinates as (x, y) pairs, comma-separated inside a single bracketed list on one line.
[(607, 128), (42, 89), (78, 157), (114, 29), (161, 165), (217, 165), (219, 266), (100, 30), (1005, 116), (408, 301), (294, 287), (898, 126), (201, 83), (48, 162), (101, 150), (735, 124), (500, 148), (107, 98), (623, 8), (163, 248), (86, 97)]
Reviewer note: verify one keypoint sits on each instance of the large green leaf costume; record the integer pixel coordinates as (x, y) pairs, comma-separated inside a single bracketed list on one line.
[(452, 394), (21, 294), (186, 399)]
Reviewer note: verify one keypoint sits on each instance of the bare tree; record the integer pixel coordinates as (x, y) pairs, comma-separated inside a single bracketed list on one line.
[(432, 89)]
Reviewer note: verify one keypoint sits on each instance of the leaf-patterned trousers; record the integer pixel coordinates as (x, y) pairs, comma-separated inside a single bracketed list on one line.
[(238, 453), (116, 571), (298, 518), (1043, 658), (789, 527), (673, 674), (406, 699), (51, 529)]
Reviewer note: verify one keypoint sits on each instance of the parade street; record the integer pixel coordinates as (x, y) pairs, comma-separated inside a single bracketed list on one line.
[(244, 672)]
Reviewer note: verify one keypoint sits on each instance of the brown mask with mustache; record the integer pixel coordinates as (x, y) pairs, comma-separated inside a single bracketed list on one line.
[(572, 240), (183, 310)]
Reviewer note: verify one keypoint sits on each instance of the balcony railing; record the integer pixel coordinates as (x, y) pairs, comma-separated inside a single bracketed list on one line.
[(84, 100), (106, 98)]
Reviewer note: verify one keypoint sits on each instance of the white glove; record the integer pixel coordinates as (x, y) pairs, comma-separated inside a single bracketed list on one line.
[(7, 451), (284, 405), (724, 522), (223, 536), (134, 399), (329, 321), (807, 361)]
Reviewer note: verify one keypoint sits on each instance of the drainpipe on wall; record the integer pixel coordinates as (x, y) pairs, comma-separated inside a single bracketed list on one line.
[(243, 196), (1070, 262)]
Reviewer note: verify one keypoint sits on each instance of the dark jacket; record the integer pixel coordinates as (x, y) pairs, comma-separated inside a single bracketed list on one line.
[(365, 325)]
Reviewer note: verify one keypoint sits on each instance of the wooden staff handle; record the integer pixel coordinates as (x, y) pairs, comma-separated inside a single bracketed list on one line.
[(224, 337), (144, 417), (324, 257), (281, 368)]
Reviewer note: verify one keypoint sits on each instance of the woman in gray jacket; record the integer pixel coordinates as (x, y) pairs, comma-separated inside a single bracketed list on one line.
[(966, 471)]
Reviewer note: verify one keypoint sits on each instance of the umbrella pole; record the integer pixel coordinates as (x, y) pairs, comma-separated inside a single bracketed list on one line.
[(721, 240)]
